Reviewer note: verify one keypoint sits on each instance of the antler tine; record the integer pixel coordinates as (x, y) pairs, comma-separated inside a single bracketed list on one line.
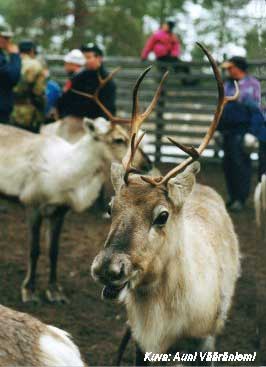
[(195, 153), (104, 81), (152, 105), (135, 106), (96, 99), (189, 150), (137, 120), (222, 99)]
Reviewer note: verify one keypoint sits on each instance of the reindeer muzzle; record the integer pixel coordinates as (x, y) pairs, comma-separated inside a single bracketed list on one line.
[(113, 270), (112, 292)]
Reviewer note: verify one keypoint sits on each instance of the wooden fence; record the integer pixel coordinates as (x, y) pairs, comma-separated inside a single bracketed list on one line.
[(185, 108)]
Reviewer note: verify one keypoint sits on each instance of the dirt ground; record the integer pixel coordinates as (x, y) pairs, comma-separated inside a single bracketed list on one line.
[(97, 326)]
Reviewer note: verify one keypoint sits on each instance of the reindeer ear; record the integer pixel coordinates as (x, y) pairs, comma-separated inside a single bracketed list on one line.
[(117, 175), (182, 185), (102, 125)]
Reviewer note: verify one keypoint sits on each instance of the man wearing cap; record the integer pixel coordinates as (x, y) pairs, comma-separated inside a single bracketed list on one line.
[(28, 112), (10, 66), (87, 80), (93, 55), (239, 118), (74, 63)]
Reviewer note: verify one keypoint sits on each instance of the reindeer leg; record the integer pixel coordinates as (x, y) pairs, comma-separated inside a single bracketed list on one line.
[(207, 345), (54, 292), (28, 286), (123, 344), (140, 357)]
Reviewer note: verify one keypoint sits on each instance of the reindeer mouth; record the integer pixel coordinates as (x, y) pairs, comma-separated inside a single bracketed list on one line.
[(112, 291)]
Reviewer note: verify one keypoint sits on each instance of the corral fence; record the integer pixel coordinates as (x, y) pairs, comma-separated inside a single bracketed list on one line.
[(185, 108)]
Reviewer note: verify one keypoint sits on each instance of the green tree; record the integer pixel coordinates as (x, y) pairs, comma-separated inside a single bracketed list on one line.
[(118, 24), (255, 44), (225, 24), (39, 20)]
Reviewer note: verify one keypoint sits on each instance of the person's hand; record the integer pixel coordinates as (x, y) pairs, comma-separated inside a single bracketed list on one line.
[(11, 48), (251, 143)]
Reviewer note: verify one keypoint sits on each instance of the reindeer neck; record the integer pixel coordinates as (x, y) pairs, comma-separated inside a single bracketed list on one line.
[(83, 173), (84, 156)]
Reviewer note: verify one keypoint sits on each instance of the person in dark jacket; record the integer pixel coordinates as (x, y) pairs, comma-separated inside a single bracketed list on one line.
[(86, 80), (239, 118), (10, 67)]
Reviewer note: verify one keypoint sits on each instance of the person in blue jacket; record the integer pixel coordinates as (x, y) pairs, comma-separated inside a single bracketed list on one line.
[(10, 67), (239, 118), (52, 93)]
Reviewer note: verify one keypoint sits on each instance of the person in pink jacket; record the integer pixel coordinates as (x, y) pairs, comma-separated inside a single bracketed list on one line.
[(167, 49), (164, 43)]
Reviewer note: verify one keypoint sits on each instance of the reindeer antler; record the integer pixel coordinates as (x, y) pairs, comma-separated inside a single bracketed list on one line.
[(96, 99), (196, 152), (136, 121)]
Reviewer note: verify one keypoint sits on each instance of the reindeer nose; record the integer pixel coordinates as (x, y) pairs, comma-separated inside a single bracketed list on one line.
[(116, 271), (146, 165), (110, 267)]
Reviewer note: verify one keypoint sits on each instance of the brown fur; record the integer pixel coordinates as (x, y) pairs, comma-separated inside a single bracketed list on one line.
[(20, 339), (19, 336)]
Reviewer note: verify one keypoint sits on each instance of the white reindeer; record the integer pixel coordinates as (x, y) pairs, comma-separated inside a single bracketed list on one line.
[(49, 175), (171, 254), (26, 341), (114, 134)]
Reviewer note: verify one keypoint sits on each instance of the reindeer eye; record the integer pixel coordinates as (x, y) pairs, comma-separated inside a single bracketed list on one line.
[(109, 209), (119, 141), (161, 219)]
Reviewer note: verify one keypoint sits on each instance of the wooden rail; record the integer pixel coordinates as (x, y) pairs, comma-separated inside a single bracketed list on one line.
[(186, 105)]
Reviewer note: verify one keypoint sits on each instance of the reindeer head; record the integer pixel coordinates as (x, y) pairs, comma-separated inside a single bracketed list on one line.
[(111, 132), (147, 212), (115, 141)]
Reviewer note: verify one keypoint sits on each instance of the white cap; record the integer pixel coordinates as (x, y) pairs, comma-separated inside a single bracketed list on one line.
[(75, 57)]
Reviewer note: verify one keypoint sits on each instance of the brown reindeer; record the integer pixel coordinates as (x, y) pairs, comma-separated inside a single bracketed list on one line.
[(171, 254), (26, 341)]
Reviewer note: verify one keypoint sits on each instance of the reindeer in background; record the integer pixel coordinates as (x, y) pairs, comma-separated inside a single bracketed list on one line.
[(50, 176), (172, 254), (114, 133)]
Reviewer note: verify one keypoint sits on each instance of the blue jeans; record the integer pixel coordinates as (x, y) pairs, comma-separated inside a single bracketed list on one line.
[(237, 167), (4, 118)]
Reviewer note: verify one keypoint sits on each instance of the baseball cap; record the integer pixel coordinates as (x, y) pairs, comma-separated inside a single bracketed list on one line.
[(5, 30), (92, 47), (238, 61), (75, 57), (26, 46)]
